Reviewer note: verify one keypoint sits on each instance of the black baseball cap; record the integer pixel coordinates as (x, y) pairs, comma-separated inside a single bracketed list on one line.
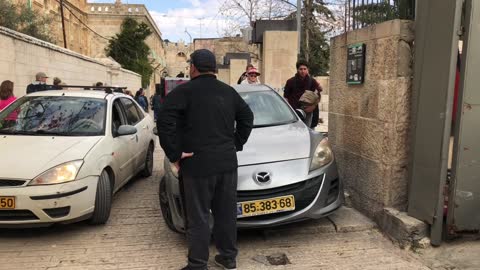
[(204, 60)]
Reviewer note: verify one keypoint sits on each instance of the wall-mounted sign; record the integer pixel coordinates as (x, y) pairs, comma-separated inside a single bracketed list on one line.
[(356, 63)]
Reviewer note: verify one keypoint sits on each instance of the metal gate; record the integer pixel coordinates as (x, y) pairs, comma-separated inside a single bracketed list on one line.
[(464, 205), (438, 26)]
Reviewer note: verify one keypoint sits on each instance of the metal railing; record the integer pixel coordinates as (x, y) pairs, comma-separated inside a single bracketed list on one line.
[(362, 13)]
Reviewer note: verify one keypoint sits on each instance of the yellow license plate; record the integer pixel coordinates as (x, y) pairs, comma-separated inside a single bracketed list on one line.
[(7, 202), (266, 206)]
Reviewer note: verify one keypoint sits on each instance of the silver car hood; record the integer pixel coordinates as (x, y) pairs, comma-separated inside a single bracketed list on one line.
[(276, 143)]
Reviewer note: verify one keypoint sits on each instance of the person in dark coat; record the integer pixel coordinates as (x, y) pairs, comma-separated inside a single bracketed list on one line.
[(142, 99), (40, 83), (296, 86), (57, 84), (202, 124), (156, 103)]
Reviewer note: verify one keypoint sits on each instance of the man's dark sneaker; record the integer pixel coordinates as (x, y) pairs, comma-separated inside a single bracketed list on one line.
[(188, 268), (227, 264)]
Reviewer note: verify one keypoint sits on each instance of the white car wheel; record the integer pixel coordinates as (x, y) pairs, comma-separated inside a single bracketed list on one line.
[(103, 200)]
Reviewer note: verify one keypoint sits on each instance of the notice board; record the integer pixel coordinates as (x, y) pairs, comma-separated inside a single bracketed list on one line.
[(356, 63)]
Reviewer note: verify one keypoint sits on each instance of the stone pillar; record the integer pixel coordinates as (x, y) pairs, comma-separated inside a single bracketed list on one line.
[(369, 123), (237, 67), (224, 75), (279, 57)]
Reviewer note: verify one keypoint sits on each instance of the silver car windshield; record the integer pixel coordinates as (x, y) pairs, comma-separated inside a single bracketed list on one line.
[(52, 115), (269, 109)]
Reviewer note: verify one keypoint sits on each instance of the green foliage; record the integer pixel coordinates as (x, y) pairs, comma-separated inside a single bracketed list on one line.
[(317, 53), (24, 20), (129, 49), (373, 13)]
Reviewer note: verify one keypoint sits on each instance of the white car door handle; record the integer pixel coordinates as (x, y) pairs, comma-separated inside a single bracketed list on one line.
[(145, 127)]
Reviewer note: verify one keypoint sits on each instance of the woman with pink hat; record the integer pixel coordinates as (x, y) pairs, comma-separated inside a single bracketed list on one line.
[(252, 76)]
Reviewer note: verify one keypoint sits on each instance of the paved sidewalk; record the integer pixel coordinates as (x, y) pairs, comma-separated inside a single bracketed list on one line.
[(137, 238)]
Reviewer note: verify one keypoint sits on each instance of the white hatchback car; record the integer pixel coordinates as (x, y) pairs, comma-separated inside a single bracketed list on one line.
[(63, 154)]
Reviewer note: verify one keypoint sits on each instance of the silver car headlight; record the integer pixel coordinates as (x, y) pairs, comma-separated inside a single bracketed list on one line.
[(322, 156), (60, 174)]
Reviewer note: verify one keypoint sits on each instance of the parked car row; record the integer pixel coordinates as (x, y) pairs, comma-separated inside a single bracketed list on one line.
[(66, 153)]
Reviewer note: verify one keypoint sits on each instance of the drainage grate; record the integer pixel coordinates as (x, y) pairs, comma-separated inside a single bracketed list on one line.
[(273, 259)]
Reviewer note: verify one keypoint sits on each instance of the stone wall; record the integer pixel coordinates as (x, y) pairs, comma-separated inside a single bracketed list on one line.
[(237, 67), (105, 19), (22, 56), (279, 55), (224, 75), (369, 123)]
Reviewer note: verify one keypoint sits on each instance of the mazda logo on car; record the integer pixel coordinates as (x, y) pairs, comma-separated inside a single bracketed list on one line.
[(262, 177)]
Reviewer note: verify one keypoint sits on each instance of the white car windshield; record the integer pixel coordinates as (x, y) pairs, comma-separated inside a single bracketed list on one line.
[(269, 109), (53, 115)]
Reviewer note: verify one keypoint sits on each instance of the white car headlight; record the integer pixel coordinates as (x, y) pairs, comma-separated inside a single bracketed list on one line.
[(60, 174), (322, 155)]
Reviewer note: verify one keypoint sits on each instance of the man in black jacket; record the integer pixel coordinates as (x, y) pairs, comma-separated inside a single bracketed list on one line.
[(197, 130), (40, 83)]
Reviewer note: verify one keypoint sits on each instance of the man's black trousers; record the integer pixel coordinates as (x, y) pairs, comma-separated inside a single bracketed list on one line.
[(218, 193)]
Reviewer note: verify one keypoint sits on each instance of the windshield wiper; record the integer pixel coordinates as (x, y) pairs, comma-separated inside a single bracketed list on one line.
[(38, 132), (274, 124), (54, 133)]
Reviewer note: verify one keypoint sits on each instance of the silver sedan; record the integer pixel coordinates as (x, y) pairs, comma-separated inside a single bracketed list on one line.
[(287, 172)]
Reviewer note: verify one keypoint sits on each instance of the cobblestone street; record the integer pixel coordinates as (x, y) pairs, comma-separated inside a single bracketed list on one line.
[(137, 238)]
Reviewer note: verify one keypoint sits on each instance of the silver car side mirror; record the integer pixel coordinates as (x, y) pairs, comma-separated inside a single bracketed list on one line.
[(124, 130), (301, 113)]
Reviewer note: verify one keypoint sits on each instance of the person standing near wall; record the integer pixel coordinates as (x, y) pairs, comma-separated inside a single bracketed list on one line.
[(252, 77), (244, 74), (6, 98), (40, 83), (197, 130), (156, 103), (142, 99), (56, 83), (295, 88)]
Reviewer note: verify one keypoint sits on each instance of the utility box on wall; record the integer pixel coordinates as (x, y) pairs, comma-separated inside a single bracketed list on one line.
[(356, 63)]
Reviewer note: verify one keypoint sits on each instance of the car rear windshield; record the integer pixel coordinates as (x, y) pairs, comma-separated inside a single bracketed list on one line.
[(269, 109), (54, 115)]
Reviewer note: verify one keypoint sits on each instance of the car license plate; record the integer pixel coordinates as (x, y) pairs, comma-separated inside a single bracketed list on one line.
[(7, 202), (266, 206)]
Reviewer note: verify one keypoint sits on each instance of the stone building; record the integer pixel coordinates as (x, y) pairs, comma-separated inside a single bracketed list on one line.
[(77, 33), (88, 27), (221, 46), (176, 56), (229, 69), (106, 20)]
